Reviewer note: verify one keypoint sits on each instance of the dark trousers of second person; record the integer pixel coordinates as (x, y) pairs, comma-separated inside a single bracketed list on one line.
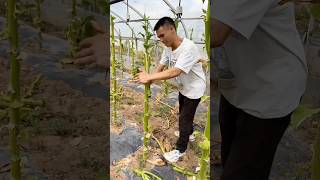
[(187, 110), (248, 143)]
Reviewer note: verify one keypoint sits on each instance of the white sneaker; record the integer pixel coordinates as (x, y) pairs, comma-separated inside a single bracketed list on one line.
[(173, 156), (191, 137)]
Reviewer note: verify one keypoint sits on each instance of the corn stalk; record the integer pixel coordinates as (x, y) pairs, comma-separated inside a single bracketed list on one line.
[(74, 9), (37, 21), (121, 50), (205, 145), (134, 70), (147, 92), (114, 92), (14, 90)]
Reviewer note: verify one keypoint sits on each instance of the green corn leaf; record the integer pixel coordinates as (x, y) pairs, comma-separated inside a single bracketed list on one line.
[(205, 145), (302, 113), (204, 98), (16, 104)]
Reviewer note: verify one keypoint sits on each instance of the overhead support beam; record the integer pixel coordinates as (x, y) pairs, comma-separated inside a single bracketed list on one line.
[(115, 1), (155, 40), (136, 11), (175, 12), (155, 19), (122, 19)]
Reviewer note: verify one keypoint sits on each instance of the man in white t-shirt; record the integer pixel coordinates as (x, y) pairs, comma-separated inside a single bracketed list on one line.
[(265, 80), (182, 57)]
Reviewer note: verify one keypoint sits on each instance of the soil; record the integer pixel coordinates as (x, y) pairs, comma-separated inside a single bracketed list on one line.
[(163, 123), (65, 139)]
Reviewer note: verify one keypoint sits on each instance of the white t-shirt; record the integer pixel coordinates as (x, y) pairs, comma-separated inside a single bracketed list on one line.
[(264, 55), (192, 81)]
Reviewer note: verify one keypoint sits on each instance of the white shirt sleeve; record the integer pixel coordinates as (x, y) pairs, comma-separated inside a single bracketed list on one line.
[(187, 59), (242, 16), (164, 58)]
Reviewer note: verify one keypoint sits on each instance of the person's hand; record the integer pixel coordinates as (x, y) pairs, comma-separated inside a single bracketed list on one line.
[(94, 50), (299, 1), (203, 61), (142, 77)]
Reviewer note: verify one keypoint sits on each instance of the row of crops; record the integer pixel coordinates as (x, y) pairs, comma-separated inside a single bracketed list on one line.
[(121, 52), (14, 105)]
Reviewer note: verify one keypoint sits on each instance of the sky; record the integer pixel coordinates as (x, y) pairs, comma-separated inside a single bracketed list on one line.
[(158, 9)]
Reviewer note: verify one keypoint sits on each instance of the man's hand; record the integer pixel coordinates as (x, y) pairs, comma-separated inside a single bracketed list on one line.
[(94, 49), (142, 78)]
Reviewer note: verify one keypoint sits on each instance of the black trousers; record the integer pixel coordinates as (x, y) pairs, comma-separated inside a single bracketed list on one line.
[(248, 143), (187, 109)]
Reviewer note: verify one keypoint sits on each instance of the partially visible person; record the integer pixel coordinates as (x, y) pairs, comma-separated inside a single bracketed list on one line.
[(94, 50), (183, 60), (266, 78)]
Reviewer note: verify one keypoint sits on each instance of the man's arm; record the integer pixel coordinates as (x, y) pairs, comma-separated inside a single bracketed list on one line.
[(164, 75), (159, 68), (219, 33), (145, 78)]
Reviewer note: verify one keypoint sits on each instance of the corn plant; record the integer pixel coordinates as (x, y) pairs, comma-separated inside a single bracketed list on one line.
[(121, 50), (114, 92), (37, 21), (25, 9), (299, 115), (207, 29), (74, 9), (79, 29), (71, 32), (14, 90), (13, 105), (106, 7), (147, 92), (205, 145), (136, 42), (132, 51)]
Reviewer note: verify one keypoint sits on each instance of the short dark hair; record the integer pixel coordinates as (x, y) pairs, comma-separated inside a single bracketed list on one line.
[(164, 21)]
